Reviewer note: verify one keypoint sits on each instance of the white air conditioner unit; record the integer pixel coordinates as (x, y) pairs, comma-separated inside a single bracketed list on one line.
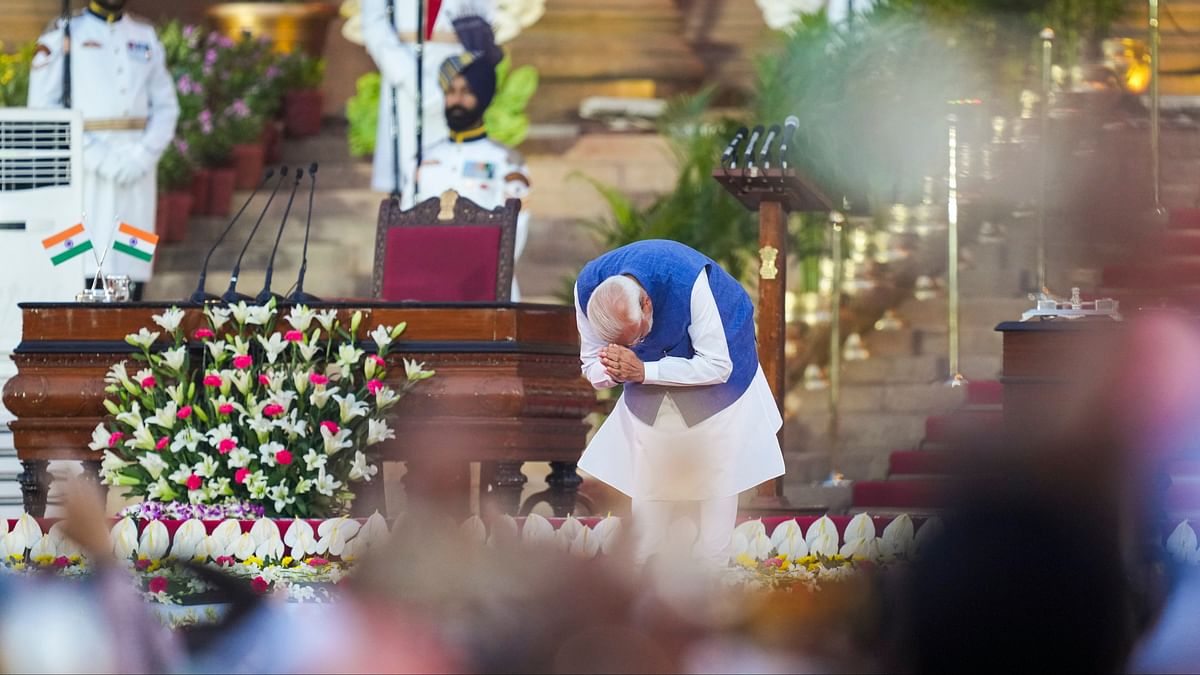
[(41, 193)]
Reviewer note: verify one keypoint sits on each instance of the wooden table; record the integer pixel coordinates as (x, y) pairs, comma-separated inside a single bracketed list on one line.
[(508, 390)]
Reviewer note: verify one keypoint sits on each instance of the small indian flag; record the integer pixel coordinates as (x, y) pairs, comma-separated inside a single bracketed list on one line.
[(67, 244), (137, 243)]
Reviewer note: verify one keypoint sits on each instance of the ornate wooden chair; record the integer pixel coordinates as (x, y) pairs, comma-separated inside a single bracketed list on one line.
[(445, 249)]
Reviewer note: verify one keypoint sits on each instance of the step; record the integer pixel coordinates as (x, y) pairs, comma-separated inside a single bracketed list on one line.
[(883, 398), (963, 425), (923, 463), (985, 392), (901, 494), (924, 369), (932, 340), (972, 311), (871, 432)]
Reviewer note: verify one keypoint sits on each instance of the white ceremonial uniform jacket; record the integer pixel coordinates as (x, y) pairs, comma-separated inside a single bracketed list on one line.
[(119, 81), (721, 456), (393, 49), (482, 170)]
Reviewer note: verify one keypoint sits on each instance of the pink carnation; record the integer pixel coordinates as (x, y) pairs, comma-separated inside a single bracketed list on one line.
[(264, 380), (331, 426), (194, 482), (293, 336), (378, 360), (148, 382), (184, 412), (158, 585), (203, 333), (318, 379), (115, 438), (284, 457), (213, 380), (273, 410), (62, 561), (318, 562), (242, 362), (226, 445), (241, 475), (225, 408), (162, 443), (259, 585), (225, 561), (374, 386)]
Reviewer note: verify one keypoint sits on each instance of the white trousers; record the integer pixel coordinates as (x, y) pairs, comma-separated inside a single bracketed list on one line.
[(660, 525)]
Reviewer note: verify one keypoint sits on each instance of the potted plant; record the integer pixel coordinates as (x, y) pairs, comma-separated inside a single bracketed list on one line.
[(188, 63), (174, 192), (14, 76), (303, 101)]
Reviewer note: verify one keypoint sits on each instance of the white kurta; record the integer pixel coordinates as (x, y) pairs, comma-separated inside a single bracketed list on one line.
[(397, 63), (118, 72), (721, 456), (483, 171)]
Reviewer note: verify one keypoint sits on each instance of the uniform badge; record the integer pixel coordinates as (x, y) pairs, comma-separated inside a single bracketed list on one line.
[(139, 50), (481, 170), (92, 44)]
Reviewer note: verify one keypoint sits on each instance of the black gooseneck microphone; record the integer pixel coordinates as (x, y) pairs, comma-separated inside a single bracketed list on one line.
[(265, 295), (200, 296), (231, 295), (749, 153), (789, 129), (765, 153), (731, 149), (298, 296)]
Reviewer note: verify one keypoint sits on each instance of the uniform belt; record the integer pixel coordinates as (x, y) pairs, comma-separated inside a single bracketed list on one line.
[(115, 124)]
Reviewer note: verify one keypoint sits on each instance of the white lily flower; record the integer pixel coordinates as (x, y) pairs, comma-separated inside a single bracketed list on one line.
[(240, 312), (382, 337), (180, 475), (12, 545), (187, 438), (759, 547), (221, 432), (46, 547), (227, 532), (314, 460), (335, 532), (216, 350), (347, 356), (792, 543), (264, 529), (785, 530), (112, 462), (260, 315), (29, 529), (349, 407), (303, 487), (897, 539), (862, 549), (473, 531), (860, 526), (172, 358), (132, 417), (100, 437), (823, 543), (821, 527), (326, 318), (143, 439), (155, 540), (189, 540), (267, 452), (300, 317), (292, 425), (117, 374), (238, 458), (274, 346), (301, 539), (143, 338), (217, 316), (176, 393), (326, 484), (124, 539), (378, 431), (360, 469), (272, 549), (416, 371), (1181, 545), (321, 395), (259, 425), (153, 464), (300, 381), (243, 547), (170, 319), (310, 348), (142, 374), (537, 530), (165, 417), (751, 529), (206, 467), (241, 380), (385, 397), (160, 490), (374, 532), (284, 399), (282, 496)]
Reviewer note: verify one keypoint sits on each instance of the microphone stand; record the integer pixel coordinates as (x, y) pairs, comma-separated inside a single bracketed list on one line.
[(200, 296), (231, 295), (264, 296), (299, 297)]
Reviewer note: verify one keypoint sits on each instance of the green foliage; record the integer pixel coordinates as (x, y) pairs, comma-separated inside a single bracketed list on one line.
[(14, 76), (175, 167), (301, 71), (362, 112)]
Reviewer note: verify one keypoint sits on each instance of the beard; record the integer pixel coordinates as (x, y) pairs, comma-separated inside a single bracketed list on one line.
[(459, 119)]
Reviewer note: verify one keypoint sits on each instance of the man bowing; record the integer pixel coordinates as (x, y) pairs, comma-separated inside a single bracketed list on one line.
[(696, 423)]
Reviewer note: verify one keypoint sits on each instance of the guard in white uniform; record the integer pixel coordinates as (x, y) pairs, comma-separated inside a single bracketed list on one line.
[(393, 48), (468, 162), (119, 80)]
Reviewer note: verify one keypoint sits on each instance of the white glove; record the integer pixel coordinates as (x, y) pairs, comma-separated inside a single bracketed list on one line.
[(132, 164)]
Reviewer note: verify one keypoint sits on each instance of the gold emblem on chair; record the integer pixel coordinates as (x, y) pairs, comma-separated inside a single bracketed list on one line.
[(768, 255), (449, 199)]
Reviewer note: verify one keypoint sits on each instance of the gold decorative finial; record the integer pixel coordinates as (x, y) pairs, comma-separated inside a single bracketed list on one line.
[(768, 269)]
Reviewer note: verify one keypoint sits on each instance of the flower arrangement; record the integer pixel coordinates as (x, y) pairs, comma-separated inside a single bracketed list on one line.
[(238, 413)]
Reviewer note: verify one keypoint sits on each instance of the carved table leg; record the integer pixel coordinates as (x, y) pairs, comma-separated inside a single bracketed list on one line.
[(35, 486), (506, 484), (564, 485)]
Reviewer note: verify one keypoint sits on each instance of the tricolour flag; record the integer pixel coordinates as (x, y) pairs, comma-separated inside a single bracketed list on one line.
[(137, 243), (67, 244)]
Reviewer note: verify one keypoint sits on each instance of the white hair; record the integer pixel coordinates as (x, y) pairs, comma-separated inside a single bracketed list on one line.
[(614, 307)]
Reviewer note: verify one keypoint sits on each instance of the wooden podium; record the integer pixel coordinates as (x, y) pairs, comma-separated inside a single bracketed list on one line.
[(774, 193), (508, 389)]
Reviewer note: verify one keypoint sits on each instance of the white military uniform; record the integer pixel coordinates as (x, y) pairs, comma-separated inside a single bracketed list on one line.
[(397, 62), (119, 81), (482, 170)]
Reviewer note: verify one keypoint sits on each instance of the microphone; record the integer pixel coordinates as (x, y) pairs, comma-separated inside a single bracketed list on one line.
[(265, 295), (200, 297), (749, 154), (231, 295), (732, 147), (764, 157), (299, 296), (789, 129)]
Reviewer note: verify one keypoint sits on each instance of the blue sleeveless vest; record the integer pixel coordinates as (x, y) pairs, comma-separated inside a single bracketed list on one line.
[(668, 270)]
